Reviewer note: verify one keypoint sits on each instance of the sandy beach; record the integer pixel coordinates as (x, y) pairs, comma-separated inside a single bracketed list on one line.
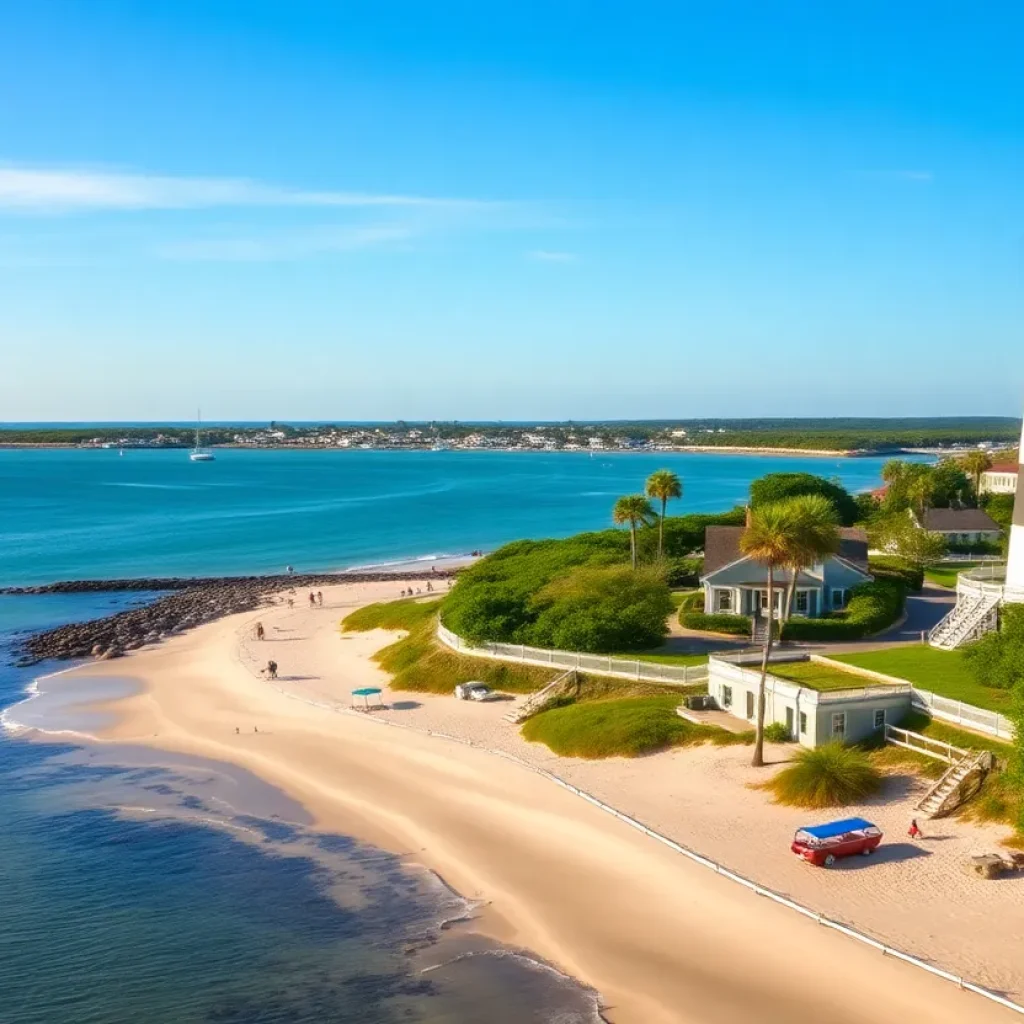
[(662, 939)]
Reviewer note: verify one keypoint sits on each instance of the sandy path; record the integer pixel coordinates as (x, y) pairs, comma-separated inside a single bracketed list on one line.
[(663, 939)]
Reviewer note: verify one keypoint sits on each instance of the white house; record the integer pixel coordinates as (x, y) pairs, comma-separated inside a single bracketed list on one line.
[(960, 525), (735, 584), (1000, 479)]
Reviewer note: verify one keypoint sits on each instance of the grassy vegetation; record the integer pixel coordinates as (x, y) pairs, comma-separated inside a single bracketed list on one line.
[(621, 727), (945, 575), (406, 614), (819, 677), (943, 672), (680, 660), (830, 776), (419, 662)]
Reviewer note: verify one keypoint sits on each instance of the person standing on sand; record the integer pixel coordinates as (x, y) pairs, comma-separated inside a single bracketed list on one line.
[(914, 832), (259, 631), (312, 599), (320, 598)]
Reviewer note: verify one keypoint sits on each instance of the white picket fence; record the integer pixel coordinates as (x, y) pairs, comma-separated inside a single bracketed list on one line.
[(967, 715), (596, 664)]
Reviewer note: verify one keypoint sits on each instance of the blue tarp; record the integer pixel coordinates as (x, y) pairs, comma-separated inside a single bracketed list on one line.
[(837, 828)]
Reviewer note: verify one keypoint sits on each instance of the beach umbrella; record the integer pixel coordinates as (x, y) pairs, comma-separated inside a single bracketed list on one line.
[(366, 692)]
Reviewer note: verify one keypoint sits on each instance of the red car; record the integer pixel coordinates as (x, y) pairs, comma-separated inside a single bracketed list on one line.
[(822, 844)]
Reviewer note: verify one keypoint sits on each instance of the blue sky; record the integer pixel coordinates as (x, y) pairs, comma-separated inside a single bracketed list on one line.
[(314, 209)]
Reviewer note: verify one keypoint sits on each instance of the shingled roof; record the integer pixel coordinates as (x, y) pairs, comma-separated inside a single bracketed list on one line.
[(722, 547), (958, 520)]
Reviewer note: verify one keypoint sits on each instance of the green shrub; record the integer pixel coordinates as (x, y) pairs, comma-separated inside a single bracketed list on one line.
[(624, 727), (997, 659), (683, 572), (575, 594), (601, 609), (735, 625), (980, 547), (779, 486), (829, 776), (892, 567), (873, 607), (777, 732)]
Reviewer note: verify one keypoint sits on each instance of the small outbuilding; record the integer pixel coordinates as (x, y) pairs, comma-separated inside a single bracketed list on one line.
[(809, 697)]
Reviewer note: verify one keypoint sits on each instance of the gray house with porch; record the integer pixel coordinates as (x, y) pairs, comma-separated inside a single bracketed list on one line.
[(735, 584)]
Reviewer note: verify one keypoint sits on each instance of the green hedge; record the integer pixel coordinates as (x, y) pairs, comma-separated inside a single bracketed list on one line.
[(737, 625), (683, 572), (892, 567), (981, 547), (872, 608)]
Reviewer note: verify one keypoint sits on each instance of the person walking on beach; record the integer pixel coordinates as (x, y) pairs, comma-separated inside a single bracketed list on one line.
[(259, 631), (312, 599), (272, 669), (320, 598), (914, 832)]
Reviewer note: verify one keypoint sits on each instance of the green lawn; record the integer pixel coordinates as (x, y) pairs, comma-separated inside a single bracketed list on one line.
[(819, 677), (668, 659), (945, 575), (942, 672)]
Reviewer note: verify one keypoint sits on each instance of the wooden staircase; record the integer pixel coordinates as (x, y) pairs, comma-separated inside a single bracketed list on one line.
[(958, 783), (535, 701)]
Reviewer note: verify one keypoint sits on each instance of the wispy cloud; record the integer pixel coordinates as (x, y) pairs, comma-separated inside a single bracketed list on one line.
[(551, 256), (288, 246), (48, 190)]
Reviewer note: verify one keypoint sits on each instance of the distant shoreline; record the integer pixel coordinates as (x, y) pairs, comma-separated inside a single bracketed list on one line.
[(683, 450)]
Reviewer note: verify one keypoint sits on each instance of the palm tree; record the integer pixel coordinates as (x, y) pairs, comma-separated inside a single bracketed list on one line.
[(921, 490), (775, 536), (817, 524), (894, 471), (636, 510), (974, 464), (663, 484)]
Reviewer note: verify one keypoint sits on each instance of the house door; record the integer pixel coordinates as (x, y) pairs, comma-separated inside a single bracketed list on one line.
[(790, 722), (778, 596)]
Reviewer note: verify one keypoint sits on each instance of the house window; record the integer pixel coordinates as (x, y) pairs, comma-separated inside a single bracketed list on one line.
[(880, 718), (839, 724), (725, 600), (726, 696), (802, 602), (840, 598), (750, 704), (803, 723)]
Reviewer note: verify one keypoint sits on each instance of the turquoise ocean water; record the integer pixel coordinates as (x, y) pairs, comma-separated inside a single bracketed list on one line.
[(155, 890), (91, 514)]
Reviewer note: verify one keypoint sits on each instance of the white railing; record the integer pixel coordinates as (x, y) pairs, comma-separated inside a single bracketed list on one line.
[(968, 715), (596, 664), (921, 744)]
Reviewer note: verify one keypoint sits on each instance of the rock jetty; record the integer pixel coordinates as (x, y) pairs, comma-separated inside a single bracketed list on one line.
[(190, 603)]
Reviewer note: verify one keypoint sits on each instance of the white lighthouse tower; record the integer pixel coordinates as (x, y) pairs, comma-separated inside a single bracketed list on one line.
[(981, 592), (1015, 565)]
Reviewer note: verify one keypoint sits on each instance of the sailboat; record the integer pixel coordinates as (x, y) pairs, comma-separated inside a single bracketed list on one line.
[(199, 454)]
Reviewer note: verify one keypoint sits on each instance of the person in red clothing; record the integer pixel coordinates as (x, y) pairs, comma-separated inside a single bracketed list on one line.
[(914, 832)]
